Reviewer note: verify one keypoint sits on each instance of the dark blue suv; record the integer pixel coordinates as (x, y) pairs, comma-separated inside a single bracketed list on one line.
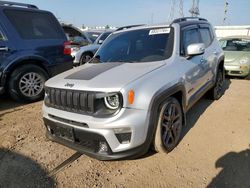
[(33, 48)]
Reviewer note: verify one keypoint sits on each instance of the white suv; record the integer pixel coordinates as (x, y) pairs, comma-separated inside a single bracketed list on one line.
[(136, 90)]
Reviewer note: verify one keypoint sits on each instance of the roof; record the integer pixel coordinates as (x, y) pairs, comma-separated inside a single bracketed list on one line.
[(237, 37)]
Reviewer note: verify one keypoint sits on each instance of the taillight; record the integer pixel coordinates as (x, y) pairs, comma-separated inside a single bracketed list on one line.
[(67, 48)]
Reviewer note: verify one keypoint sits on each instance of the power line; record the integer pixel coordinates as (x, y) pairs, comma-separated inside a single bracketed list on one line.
[(195, 11), (174, 7)]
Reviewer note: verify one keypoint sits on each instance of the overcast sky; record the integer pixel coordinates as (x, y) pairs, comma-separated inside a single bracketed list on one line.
[(126, 12)]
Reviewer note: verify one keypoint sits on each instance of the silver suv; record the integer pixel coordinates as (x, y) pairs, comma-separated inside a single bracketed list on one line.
[(135, 92)]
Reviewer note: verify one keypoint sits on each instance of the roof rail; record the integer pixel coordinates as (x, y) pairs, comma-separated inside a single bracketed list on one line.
[(128, 27), (188, 18), (8, 3)]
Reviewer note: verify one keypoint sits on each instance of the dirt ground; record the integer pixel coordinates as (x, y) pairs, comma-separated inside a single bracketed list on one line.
[(214, 151)]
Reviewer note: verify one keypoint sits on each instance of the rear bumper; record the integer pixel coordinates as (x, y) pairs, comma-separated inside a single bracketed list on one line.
[(239, 70)]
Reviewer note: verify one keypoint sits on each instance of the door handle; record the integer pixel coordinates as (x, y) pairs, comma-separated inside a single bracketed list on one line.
[(4, 48)]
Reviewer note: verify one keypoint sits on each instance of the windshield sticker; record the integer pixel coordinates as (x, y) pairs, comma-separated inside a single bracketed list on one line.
[(159, 31)]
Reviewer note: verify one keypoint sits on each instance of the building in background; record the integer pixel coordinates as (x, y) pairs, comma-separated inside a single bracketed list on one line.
[(225, 31)]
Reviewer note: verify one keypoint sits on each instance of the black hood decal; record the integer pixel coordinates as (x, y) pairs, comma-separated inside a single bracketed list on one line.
[(93, 71)]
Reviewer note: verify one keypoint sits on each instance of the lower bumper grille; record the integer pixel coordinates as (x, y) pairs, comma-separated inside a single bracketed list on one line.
[(87, 141)]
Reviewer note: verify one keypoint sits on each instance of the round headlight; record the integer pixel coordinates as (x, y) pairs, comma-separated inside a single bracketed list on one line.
[(112, 102), (244, 61)]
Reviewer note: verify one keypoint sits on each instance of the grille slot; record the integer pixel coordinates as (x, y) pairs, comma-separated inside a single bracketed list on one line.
[(70, 100)]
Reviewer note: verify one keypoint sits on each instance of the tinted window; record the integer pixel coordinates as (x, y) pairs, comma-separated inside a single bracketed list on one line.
[(104, 36), (190, 36), (35, 25), (205, 36), (71, 32), (143, 45), (235, 44), (93, 35)]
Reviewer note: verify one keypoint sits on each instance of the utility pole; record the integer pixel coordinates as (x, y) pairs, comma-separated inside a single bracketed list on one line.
[(173, 8), (225, 12), (195, 11)]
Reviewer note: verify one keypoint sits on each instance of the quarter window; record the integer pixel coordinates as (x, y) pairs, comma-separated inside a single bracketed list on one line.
[(206, 36)]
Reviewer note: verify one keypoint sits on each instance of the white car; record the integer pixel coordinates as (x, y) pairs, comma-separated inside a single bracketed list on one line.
[(85, 53)]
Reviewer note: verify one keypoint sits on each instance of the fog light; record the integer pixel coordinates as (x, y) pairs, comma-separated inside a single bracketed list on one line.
[(103, 147)]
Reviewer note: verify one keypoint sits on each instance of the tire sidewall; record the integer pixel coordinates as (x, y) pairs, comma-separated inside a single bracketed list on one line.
[(158, 144), (83, 56), (15, 78)]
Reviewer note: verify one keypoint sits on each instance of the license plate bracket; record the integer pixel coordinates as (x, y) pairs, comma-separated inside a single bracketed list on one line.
[(64, 132)]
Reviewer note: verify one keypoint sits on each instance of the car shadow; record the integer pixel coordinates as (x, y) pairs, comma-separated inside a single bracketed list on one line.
[(198, 109), (7, 103), (235, 170), (17, 170), (193, 115)]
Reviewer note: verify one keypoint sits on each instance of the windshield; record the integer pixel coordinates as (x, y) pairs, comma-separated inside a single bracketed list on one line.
[(93, 35), (235, 44), (143, 45)]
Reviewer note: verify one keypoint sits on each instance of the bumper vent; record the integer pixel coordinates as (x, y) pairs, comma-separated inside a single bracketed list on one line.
[(69, 100)]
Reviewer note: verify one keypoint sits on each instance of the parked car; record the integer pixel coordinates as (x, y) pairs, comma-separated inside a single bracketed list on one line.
[(33, 48), (93, 35), (84, 54), (237, 55), (136, 90), (77, 37)]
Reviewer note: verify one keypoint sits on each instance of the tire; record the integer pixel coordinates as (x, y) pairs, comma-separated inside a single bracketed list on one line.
[(86, 56), (217, 91), (26, 83), (169, 126)]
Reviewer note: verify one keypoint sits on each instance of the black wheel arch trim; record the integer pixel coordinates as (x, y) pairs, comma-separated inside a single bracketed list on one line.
[(153, 111)]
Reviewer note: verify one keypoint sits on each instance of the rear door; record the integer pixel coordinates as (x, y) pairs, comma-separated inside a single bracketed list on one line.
[(209, 58)]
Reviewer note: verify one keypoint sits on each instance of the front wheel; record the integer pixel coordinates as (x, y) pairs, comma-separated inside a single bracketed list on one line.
[(86, 57), (169, 127)]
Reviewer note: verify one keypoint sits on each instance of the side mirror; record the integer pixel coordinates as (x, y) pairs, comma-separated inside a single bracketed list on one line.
[(195, 49), (100, 41)]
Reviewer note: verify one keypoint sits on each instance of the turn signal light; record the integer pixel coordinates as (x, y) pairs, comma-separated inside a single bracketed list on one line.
[(131, 95)]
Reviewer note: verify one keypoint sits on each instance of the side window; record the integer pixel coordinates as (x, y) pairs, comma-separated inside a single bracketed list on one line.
[(190, 36), (34, 25), (206, 36)]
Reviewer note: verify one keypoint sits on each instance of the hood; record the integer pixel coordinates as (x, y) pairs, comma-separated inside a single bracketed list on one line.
[(105, 77), (235, 56)]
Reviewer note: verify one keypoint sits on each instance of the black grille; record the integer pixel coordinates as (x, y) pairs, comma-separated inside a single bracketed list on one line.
[(70, 100)]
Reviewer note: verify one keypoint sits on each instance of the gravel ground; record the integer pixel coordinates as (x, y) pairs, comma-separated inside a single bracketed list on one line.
[(214, 151)]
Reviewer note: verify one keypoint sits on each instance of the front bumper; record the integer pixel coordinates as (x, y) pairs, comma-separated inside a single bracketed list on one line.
[(237, 70), (76, 59), (89, 132)]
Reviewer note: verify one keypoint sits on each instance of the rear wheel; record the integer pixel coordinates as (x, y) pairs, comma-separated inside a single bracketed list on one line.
[(26, 83), (86, 57), (217, 91), (169, 127)]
